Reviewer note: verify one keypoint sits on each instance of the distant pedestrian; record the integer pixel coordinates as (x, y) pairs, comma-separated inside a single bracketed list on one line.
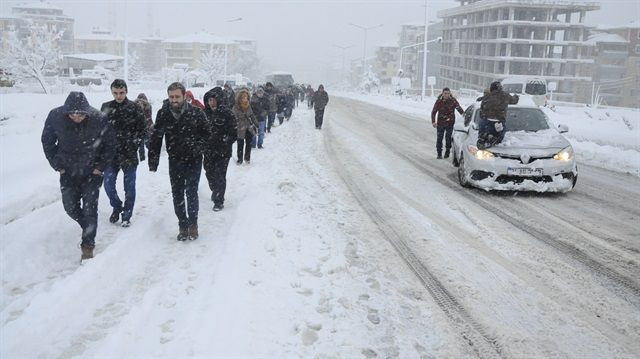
[(309, 94), (219, 147), (186, 130), (194, 101), (445, 108), (147, 109), (290, 100), (230, 96), (272, 95), (79, 144), (247, 125), (127, 120), (281, 102), (320, 100), (260, 108)]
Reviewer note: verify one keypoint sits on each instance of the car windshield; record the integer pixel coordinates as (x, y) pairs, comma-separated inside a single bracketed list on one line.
[(536, 89), (512, 88), (522, 119), (526, 119)]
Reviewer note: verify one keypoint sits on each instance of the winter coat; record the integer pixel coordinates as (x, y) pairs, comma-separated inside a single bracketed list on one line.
[(494, 105), (446, 110), (224, 128), (185, 136), (147, 110), (78, 148), (194, 101), (271, 95), (129, 125), (245, 118), (320, 100), (260, 105), (230, 98), (281, 101)]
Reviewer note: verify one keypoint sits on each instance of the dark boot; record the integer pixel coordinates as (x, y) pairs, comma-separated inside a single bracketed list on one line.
[(183, 235), (193, 232), (218, 207), (439, 154), (87, 252), (447, 152), (115, 216)]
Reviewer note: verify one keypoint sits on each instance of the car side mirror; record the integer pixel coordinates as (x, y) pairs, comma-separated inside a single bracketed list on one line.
[(474, 126), (459, 127), (563, 128)]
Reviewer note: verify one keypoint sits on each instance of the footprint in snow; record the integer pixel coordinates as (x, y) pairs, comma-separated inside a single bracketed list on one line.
[(373, 316), (373, 283)]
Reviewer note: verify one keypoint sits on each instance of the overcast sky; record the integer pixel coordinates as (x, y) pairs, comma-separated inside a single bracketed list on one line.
[(296, 36)]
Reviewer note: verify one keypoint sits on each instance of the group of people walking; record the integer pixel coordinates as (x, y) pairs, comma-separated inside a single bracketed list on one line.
[(90, 147)]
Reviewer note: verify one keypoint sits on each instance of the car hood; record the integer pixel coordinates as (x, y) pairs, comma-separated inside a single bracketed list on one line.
[(537, 144)]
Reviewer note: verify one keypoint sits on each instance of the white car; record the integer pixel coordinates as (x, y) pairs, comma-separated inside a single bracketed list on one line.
[(534, 155)]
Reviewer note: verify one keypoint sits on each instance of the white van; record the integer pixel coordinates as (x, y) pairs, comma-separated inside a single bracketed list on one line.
[(536, 87)]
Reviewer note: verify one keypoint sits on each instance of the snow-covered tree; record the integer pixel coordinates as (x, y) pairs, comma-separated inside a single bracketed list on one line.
[(135, 67), (33, 56), (370, 80), (212, 63)]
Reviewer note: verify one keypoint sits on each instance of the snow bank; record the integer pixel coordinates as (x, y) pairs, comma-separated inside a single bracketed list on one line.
[(607, 138)]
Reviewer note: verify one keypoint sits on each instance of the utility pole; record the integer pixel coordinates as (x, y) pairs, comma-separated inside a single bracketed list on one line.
[(424, 54), (364, 51), (226, 50), (343, 48)]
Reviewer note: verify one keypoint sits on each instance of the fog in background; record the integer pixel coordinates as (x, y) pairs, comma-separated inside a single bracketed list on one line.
[(295, 36)]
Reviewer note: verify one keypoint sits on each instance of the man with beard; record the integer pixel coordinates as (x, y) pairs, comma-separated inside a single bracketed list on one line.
[(186, 130)]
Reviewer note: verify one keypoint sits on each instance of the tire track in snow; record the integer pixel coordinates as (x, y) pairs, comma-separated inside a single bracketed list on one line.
[(471, 331)]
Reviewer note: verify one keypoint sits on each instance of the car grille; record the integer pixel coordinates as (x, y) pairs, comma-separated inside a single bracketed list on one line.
[(516, 157), (503, 179)]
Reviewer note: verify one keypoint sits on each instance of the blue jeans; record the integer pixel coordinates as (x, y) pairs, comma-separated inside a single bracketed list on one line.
[(490, 133), (110, 177), (185, 178), (444, 132), (262, 124)]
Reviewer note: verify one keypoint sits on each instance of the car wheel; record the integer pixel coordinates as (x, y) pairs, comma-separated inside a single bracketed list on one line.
[(462, 175), (575, 178)]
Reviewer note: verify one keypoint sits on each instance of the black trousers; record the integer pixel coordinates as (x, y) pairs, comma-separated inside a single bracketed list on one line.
[(246, 144), (80, 200), (215, 168), (319, 118), (185, 177), (446, 132)]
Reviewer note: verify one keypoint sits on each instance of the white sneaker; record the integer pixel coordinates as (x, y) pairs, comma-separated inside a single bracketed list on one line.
[(126, 224)]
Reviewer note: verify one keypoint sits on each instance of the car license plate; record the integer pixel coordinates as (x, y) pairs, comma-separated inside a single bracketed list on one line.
[(524, 171)]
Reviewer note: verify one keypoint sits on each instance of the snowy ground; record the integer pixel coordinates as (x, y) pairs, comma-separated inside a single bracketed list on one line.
[(345, 242), (608, 138)]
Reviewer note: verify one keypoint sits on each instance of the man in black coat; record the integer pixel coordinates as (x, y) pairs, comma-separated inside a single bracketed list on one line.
[(186, 130), (260, 107), (217, 152), (79, 143), (320, 100), (128, 122)]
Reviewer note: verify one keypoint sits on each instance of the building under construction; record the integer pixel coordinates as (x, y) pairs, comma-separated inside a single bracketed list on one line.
[(488, 40)]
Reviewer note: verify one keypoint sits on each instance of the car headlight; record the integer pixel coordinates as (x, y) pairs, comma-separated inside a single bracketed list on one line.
[(480, 154), (564, 155)]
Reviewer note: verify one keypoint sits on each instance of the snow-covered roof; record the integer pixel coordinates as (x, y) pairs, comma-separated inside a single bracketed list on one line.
[(95, 57), (10, 16), (38, 5), (201, 38), (280, 73), (630, 25), (100, 37), (608, 38)]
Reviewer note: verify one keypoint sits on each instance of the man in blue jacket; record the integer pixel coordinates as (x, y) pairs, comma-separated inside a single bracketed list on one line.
[(79, 144)]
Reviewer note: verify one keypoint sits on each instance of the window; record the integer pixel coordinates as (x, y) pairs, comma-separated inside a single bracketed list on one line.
[(637, 49), (467, 116)]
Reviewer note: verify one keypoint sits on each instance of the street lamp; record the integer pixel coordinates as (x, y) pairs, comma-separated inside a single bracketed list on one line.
[(343, 48), (224, 79), (364, 53), (438, 39)]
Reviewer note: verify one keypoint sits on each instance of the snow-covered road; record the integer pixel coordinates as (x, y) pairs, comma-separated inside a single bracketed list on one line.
[(353, 241)]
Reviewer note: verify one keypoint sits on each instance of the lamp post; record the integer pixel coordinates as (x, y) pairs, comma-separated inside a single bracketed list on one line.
[(439, 39), (226, 45), (424, 54), (364, 52), (343, 48)]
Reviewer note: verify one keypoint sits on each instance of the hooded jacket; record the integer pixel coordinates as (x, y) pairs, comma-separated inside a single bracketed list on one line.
[(320, 99), (446, 111), (494, 105), (77, 148), (271, 93), (127, 120), (223, 126), (260, 105), (186, 135), (194, 101)]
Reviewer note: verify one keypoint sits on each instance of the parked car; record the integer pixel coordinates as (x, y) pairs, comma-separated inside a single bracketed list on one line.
[(534, 154)]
